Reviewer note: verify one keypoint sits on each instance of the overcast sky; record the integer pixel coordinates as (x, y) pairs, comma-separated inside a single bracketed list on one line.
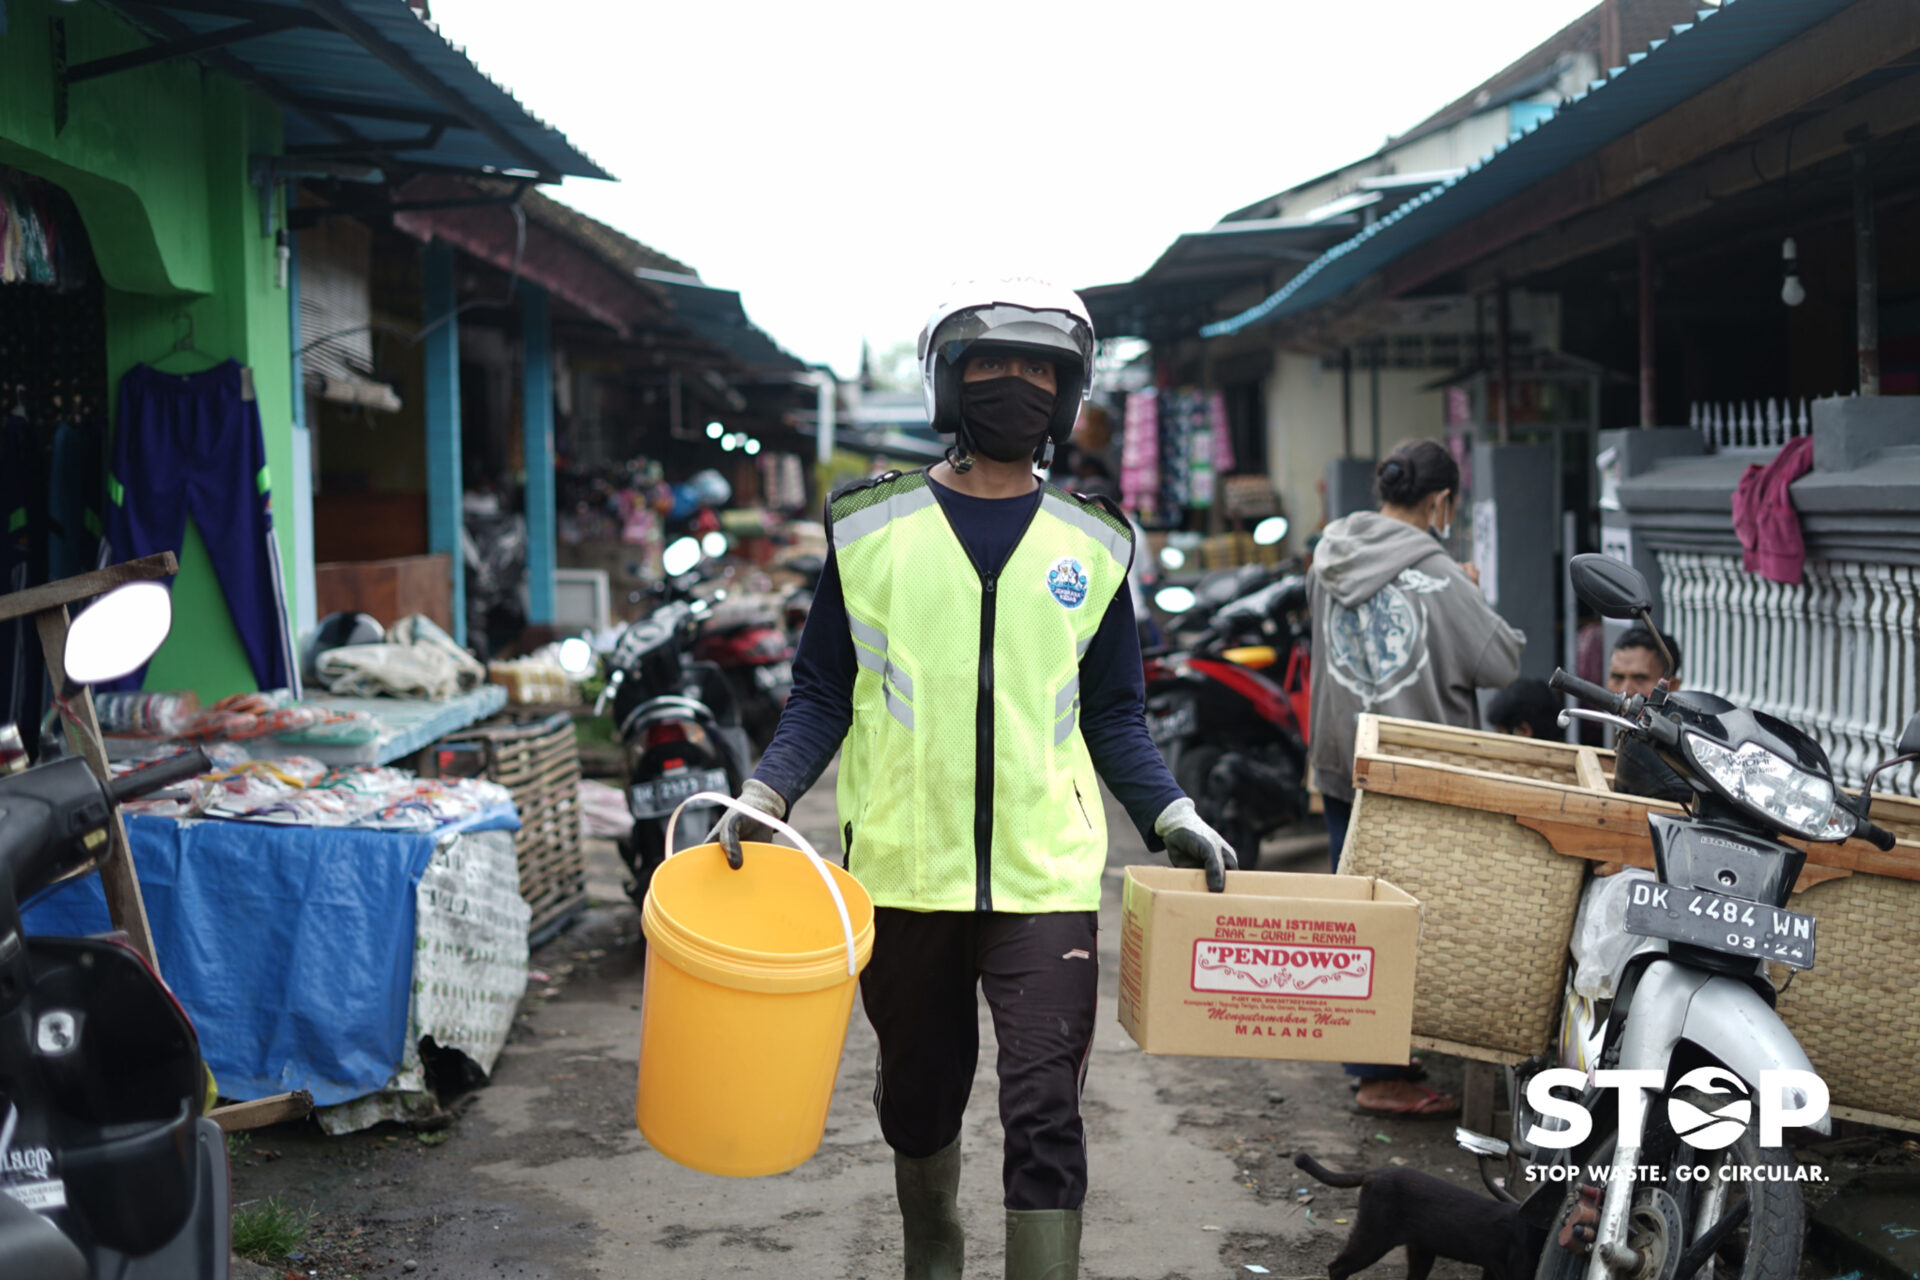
[(839, 162)]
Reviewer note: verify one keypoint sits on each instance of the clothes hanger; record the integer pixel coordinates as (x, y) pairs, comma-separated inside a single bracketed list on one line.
[(184, 343)]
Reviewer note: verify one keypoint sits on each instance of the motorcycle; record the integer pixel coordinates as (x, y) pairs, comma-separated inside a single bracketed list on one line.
[(679, 728), (747, 640), (108, 1168), (1233, 737), (1626, 1188)]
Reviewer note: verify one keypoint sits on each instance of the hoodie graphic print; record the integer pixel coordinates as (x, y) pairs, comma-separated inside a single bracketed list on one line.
[(1398, 630)]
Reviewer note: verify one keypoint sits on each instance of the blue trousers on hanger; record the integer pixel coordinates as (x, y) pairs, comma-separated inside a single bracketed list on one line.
[(190, 444)]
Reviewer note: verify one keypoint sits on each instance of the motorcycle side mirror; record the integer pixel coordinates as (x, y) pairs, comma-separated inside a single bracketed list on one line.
[(1909, 744), (1611, 588), (680, 557), (118, 633)]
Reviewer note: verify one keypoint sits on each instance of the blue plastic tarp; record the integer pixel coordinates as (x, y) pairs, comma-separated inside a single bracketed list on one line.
[(291, 948)]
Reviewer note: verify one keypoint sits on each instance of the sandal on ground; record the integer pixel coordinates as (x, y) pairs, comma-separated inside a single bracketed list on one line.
[(1429, 1102)]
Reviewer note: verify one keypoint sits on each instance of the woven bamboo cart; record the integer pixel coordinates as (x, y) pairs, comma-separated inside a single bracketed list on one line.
[(536, 759), (1494, 835)]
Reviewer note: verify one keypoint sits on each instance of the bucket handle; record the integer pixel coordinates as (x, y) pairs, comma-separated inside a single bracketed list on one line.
[(800, 841)]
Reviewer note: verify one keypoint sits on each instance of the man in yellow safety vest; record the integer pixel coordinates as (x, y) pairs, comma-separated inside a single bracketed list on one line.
[(972, 654)]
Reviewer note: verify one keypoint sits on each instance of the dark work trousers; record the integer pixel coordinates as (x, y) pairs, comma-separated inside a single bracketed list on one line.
[(1339, 815), (1040, 974)]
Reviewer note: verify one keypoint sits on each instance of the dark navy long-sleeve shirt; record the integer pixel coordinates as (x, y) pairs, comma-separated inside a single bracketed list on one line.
[(1112, 688)]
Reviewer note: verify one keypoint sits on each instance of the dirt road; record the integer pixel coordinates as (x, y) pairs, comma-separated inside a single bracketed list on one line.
[(544, 1174)]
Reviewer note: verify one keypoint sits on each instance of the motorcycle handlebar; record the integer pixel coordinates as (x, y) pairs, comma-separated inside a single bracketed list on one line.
[(1873, 833), (157, 777), (1588, 692)]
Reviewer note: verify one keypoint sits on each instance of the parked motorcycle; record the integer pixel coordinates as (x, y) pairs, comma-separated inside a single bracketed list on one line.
[(1692, 1005), (108, 1168), (1234, 737), (678, 724), (746, 638)]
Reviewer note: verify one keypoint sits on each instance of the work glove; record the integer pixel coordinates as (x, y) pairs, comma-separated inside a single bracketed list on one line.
[(1192, 843), (735, 826)]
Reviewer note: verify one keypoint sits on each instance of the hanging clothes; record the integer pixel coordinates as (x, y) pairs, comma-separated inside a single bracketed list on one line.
[(1140, 452), (1768, 527), (191, 445)]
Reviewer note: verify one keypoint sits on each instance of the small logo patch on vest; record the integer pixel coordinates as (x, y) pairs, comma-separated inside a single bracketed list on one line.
[(1067, 580)]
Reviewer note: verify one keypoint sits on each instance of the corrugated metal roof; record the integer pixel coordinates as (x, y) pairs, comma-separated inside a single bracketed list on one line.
[(1697, 55), (717, 316), (369, 77)]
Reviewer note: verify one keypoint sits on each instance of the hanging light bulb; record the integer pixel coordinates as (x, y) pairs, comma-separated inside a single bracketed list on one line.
[(1792, 292), (715, 431), (753, 446)]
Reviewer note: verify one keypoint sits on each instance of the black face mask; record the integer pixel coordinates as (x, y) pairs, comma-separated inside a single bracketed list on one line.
[(1006, 418)]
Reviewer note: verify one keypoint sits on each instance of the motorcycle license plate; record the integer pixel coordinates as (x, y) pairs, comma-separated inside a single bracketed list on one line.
[(773, 675), (1165, 726), (658, 797), (1732, 926)]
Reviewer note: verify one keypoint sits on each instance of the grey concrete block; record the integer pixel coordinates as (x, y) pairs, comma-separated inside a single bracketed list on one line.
[(1850, 432)]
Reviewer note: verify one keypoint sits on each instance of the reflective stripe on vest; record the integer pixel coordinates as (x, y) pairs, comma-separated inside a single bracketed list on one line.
[(964, 774)]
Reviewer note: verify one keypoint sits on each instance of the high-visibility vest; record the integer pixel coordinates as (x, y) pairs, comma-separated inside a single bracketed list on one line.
[(964, 782)]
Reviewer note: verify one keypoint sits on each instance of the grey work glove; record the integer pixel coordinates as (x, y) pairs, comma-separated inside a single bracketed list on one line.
[(1192, 843), (735, 826)]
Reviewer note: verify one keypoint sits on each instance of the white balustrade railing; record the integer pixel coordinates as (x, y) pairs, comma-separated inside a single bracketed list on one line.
[(1837, 657), (1750, 424)]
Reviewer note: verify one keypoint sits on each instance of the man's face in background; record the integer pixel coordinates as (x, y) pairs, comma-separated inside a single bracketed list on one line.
[(1636, 670)]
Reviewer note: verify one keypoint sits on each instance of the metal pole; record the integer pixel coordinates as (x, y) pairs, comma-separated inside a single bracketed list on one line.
[(536, 426), (1374, 354), (441, 406), (1569, 608), (1503, 324), (823, 412), (1648, 412), (1866, 271), (1346, 402)]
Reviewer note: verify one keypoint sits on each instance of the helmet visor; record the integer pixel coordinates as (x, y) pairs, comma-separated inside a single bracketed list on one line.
[(1016, 326)]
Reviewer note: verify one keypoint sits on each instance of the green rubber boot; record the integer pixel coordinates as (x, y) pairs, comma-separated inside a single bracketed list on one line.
[(1043, 1244), (929, 1194)]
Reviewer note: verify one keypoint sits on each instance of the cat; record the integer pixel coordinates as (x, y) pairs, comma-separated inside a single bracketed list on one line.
[(1433, 1219)]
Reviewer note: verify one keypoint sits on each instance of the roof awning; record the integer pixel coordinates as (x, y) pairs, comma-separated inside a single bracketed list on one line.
[(717, 316), (1175, 295), (358, 80), (1698, 55)]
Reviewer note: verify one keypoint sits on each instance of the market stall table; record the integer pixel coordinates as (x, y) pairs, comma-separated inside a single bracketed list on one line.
[(318, 957)]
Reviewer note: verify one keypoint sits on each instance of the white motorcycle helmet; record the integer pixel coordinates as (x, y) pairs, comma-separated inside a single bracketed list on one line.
[(1021, 315)]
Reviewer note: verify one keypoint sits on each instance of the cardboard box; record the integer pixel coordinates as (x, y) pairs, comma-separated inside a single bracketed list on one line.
[(1279, 966)]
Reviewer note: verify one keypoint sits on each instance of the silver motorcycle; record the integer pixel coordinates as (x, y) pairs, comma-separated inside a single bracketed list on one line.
[(1654, 1148)]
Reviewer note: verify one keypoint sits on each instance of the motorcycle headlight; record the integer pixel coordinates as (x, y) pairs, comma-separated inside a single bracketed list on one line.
[(1770, 784)]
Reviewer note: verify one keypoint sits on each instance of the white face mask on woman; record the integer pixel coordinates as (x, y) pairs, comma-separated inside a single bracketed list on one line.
[(1445, 531)]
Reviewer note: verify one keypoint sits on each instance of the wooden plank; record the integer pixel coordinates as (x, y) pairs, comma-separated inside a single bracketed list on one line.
[(1584, 842), (1906, 1124), (1613, 813), (1490, 746), (261, 1112), (1479, 1094), (1586, 766), (117, 877), (85, 586), (1471, 1052)]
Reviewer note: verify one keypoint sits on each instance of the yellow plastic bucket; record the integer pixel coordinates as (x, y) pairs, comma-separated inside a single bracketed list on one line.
[(750, 979)]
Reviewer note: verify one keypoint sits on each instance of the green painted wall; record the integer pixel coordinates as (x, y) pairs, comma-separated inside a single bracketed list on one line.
[(157, 161)]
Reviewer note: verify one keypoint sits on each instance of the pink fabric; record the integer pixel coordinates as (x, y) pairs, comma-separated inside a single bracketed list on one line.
[(1764, 518)]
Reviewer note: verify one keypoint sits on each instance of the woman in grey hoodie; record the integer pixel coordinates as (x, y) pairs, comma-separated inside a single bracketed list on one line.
[(1400, 630)]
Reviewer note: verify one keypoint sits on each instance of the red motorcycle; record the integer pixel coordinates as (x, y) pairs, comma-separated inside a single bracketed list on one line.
[(1235, 737), (747, 639)]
